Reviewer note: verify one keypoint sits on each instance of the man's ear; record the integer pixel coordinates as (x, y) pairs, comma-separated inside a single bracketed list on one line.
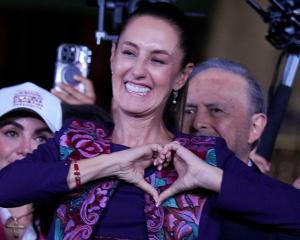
[(184, 75), (259, 121)]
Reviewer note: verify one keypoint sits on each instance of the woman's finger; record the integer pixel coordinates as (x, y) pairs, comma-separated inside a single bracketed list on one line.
[(169, 192), (89, 88), (142, 184)]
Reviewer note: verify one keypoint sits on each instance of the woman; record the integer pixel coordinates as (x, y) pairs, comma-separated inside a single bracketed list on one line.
[(99, 169), (28, 118), (150, 64)]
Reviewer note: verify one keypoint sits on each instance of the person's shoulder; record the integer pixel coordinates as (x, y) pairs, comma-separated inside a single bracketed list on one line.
[(87, 125), (85, 117)]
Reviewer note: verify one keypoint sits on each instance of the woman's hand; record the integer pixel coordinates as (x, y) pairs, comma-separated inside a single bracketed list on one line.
[(192, 171), (133, 162), (71, 95), (128, 165)]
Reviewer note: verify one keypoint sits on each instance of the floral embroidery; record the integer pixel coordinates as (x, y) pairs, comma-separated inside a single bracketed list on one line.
[(83, 140), (202, 146), (80, 211), (181, 214), (178, 217)]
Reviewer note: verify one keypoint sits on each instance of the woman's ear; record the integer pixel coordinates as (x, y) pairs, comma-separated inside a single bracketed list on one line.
[(259, 121), (183, 77), (112, 55)]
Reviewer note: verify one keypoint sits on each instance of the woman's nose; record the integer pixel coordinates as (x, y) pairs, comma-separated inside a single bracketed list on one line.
[(139, 69), (26, 147)]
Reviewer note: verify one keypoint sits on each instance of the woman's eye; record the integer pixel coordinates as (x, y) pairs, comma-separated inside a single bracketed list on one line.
[(11, 134), (128, 53), (41, 139), (159, 61)]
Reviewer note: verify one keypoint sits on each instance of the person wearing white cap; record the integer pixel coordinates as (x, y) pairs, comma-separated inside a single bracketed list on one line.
[(29, 115), (30, 97), (99, 171)]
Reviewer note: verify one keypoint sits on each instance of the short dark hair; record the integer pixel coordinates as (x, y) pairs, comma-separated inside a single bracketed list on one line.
[(255, 94)]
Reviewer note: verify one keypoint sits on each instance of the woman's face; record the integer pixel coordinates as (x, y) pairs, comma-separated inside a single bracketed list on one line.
[(146, 66), (20, 136)]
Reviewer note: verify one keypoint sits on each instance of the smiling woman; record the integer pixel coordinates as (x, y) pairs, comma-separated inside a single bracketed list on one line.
[(112, 180), (145, 66), (150, 65)]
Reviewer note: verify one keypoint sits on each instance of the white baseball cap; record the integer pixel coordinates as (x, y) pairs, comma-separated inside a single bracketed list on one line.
[(28, 96)]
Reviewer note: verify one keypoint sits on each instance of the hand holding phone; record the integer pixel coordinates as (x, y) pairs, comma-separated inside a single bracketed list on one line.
[(72, 59), (70, 95)]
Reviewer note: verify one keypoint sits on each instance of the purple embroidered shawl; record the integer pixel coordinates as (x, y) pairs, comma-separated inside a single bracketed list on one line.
[(178, 217)]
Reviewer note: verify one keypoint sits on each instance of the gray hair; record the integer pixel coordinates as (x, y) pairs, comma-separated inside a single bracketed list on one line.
[(254, 90)]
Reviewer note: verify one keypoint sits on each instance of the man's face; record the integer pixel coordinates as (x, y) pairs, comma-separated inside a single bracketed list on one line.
[(218, 105)]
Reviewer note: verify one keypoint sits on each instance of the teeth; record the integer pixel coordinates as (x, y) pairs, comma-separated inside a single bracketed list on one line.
[(137, 89)]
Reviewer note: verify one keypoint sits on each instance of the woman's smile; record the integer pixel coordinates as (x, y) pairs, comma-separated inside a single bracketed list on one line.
[(145, 64), (137, 89)]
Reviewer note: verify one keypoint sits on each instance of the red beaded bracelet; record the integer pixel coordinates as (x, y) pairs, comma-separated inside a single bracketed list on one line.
[(77, 175)]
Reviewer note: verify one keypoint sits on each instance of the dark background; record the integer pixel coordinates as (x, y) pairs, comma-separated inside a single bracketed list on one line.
[(31, 31)]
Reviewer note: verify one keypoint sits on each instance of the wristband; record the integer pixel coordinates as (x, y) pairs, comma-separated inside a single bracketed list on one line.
[(77, 175)]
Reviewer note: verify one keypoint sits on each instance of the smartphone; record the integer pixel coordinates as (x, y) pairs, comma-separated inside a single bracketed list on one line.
[(72, 59)]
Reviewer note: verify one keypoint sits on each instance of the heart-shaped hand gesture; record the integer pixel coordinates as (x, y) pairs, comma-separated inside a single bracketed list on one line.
[(192, 171), (133, 162)]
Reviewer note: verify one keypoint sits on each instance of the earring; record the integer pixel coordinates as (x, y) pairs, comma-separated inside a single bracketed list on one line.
[(175, 95)]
